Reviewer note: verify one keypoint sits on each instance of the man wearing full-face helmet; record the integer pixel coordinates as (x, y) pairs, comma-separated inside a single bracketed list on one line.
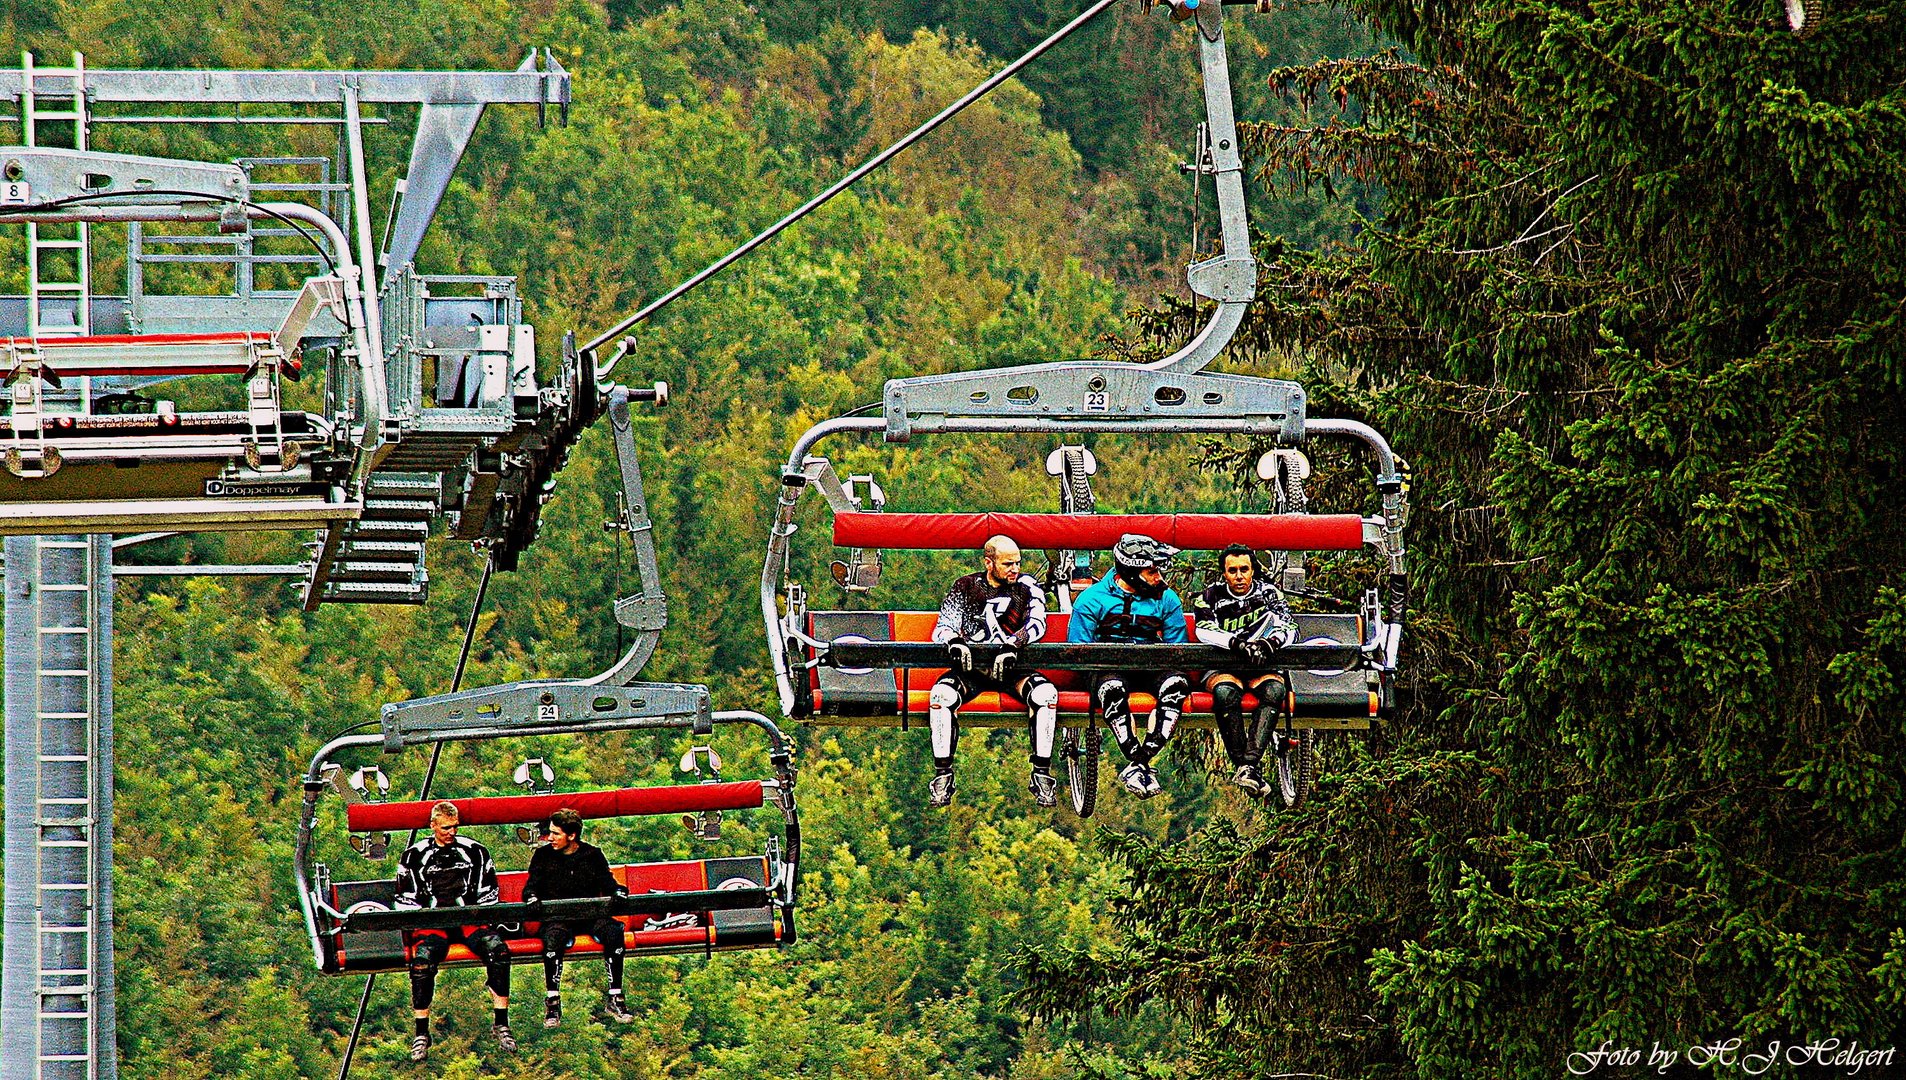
[(1133, 605)]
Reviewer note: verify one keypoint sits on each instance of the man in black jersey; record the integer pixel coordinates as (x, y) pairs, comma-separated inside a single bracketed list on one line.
[(997, 606), (568, 869), (446, 870), (1247, 615)]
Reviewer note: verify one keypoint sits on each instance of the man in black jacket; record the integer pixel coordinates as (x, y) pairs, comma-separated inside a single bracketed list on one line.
[(568, 869), (446, 870)]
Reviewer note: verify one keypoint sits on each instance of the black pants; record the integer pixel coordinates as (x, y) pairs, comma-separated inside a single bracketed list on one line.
[(433, 945), (558, 937), (1245, 741)]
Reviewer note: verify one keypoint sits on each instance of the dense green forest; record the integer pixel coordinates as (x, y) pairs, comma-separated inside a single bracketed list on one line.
[(1619, 279)]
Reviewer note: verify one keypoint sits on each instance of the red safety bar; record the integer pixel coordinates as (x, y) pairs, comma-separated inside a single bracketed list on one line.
[(509, 809), (1204, 532)]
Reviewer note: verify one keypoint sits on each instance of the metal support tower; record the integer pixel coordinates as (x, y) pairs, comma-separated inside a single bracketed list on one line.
[(57, 1017), (56, 979)]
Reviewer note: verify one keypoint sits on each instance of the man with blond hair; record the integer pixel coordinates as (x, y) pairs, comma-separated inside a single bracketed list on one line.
[(996, 606), (444, 870)]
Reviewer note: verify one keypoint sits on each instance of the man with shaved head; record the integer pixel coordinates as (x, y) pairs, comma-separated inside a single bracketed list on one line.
[(997, 606)]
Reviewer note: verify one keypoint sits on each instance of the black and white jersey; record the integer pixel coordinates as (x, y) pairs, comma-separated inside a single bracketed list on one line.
[(430, 875), (979, 611), (1260, 613)]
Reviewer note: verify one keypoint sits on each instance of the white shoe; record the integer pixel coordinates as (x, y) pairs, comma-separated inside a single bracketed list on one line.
[(940, 789), (1248, 778), (1151, 782), (1133, 777), (1044, 788)]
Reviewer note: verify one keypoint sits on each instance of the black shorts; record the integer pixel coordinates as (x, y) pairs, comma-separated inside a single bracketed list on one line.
[(431, 946), (559, 936), (971, 684)]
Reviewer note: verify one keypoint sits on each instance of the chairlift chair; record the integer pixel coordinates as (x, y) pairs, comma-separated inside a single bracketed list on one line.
[(701, 905), (876, 667)]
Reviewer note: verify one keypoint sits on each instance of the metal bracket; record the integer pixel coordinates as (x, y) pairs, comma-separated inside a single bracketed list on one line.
[(1226, 278), (1096, 395), (1074, 466), (705, 825), (861, 572), (535, 776), (543, 708), (52, 175), (29, 457)]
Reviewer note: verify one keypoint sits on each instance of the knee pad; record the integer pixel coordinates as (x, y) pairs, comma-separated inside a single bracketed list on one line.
[(1042, 694), (943, 696), (1111, 694), (1172, 691), (423, 985), (1226, 695)]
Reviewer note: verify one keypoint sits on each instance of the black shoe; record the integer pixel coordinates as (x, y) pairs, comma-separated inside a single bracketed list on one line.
[(617, 1010), (420, 1048), (553, 1013), (940, 789), (504, 1039)]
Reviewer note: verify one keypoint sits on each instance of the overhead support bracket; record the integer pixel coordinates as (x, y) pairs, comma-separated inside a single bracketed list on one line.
[(38, 175), (524, 86), (1095, 395), (565, 707)]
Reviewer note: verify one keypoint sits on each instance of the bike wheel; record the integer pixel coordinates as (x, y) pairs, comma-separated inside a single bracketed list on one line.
[(1081, 749), (1296, 766)]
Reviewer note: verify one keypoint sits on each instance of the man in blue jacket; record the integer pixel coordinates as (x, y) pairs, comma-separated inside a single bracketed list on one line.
[(1133, 605)]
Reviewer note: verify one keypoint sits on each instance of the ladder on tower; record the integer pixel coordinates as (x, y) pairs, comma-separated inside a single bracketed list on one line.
[(71, 804), (59, 269)]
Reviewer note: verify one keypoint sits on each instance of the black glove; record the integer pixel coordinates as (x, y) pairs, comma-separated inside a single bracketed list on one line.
[(1003, 663), (961, 652), (1258, 651)]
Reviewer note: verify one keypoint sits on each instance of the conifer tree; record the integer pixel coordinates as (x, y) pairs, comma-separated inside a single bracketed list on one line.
[(1633, 309)]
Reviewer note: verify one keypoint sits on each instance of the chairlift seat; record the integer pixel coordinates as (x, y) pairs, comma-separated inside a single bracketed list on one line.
[(1346, 699), (698, 931)]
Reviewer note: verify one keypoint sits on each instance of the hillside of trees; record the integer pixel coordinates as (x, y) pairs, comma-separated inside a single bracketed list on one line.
[(1620, 281)]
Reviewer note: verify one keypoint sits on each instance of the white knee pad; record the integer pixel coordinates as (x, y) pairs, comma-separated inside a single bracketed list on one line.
[(1043, 696), (1173, 690), (943, 696)]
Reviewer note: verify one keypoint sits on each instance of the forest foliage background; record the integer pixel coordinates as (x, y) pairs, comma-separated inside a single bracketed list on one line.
[(1619, 280)]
